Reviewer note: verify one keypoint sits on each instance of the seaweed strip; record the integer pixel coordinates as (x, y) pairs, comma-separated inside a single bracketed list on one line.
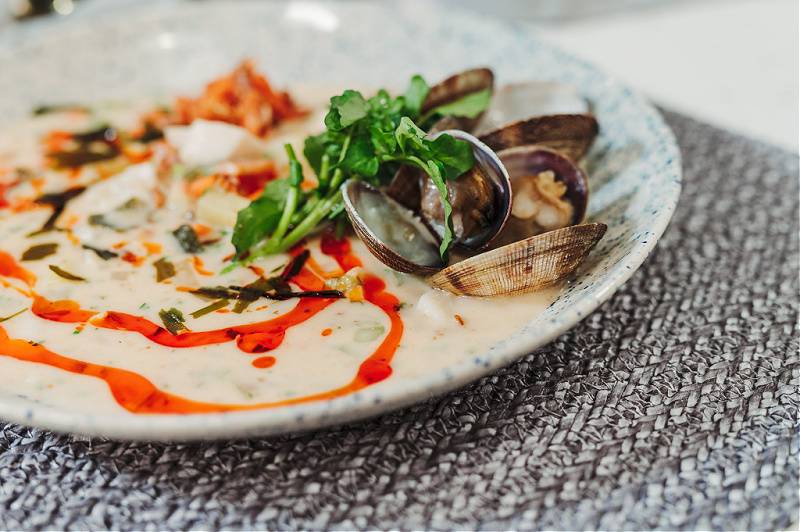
[(39, 251), (64, 274), (102, 253), (57, 202), (173, 320)]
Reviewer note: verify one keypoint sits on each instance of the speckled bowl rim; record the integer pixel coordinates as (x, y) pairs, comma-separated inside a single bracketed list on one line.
[(654, 177)]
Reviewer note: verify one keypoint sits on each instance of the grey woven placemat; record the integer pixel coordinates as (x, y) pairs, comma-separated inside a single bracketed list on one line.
[(673, 406)]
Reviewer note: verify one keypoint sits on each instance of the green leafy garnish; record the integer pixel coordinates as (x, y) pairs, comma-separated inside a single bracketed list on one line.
[(366, 139)]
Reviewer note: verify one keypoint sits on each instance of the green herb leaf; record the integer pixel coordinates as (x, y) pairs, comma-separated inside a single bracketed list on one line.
[(360, 159), (346, 110), (415, 95), (455, 155), (261, 217), (409, 136), (468, 106)]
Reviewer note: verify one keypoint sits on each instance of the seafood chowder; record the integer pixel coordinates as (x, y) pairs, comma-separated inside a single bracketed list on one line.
[(249, 248)]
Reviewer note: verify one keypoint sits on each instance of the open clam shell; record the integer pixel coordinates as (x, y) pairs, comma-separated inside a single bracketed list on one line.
[(394, 234), (457, 86), (571, 134), (495, 182), (525, 266), (407, 242), (520, 101), (526, 160)]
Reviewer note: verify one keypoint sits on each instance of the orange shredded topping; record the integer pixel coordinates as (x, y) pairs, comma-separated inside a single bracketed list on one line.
[(243, 98), (152, 248), (197, 262)]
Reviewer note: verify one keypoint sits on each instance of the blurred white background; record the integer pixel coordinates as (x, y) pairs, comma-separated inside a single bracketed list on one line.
[(732, 63)]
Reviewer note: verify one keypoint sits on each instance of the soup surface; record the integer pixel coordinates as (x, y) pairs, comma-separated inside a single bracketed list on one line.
[(113, 296)]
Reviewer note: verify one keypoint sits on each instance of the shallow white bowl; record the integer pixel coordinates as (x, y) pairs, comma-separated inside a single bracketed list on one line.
[(634, 166)]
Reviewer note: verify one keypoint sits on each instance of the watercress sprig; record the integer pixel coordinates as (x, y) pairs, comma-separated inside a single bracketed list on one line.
[(365, 139)]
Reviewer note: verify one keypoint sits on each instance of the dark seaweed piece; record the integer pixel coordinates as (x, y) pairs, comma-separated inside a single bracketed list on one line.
[(214, 292), (12, 316), (57, 202), (64, 274), (164, 269), (92, 146), (325, 294), (220, 303), (296, 264), (102, 253), (173, 320), (150, 133), (187, 239), (39, 251), (104, 133), (251, 293), (47, 109)]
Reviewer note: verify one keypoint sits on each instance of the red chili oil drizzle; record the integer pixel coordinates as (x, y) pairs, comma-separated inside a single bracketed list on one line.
[(138, 395), (10, 268), (339, 249), (264, 362)]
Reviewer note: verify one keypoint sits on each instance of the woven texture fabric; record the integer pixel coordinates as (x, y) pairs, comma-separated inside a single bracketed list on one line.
[(673, 406)]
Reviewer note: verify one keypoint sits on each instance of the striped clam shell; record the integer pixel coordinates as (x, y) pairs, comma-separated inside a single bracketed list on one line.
[(524, 266)]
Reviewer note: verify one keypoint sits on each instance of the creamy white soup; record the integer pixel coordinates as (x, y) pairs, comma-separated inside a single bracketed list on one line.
[(112, 297)]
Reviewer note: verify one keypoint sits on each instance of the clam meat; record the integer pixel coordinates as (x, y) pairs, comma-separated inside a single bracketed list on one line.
[(516, 216)]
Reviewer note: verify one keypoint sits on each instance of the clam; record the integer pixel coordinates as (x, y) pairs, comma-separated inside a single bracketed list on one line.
[(524, 202), (524, 266), (408, 240), (454, 88), (571, 134), (526, 100)]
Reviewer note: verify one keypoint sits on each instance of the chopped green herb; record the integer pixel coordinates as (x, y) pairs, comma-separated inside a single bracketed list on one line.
[(64, 274), (12, 316), (188, 239), (173, 320), (222, 303), (102, 253), (251, 293), (144, 306), (47, 109), (39, 251), (366, 139), (164, 269)]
